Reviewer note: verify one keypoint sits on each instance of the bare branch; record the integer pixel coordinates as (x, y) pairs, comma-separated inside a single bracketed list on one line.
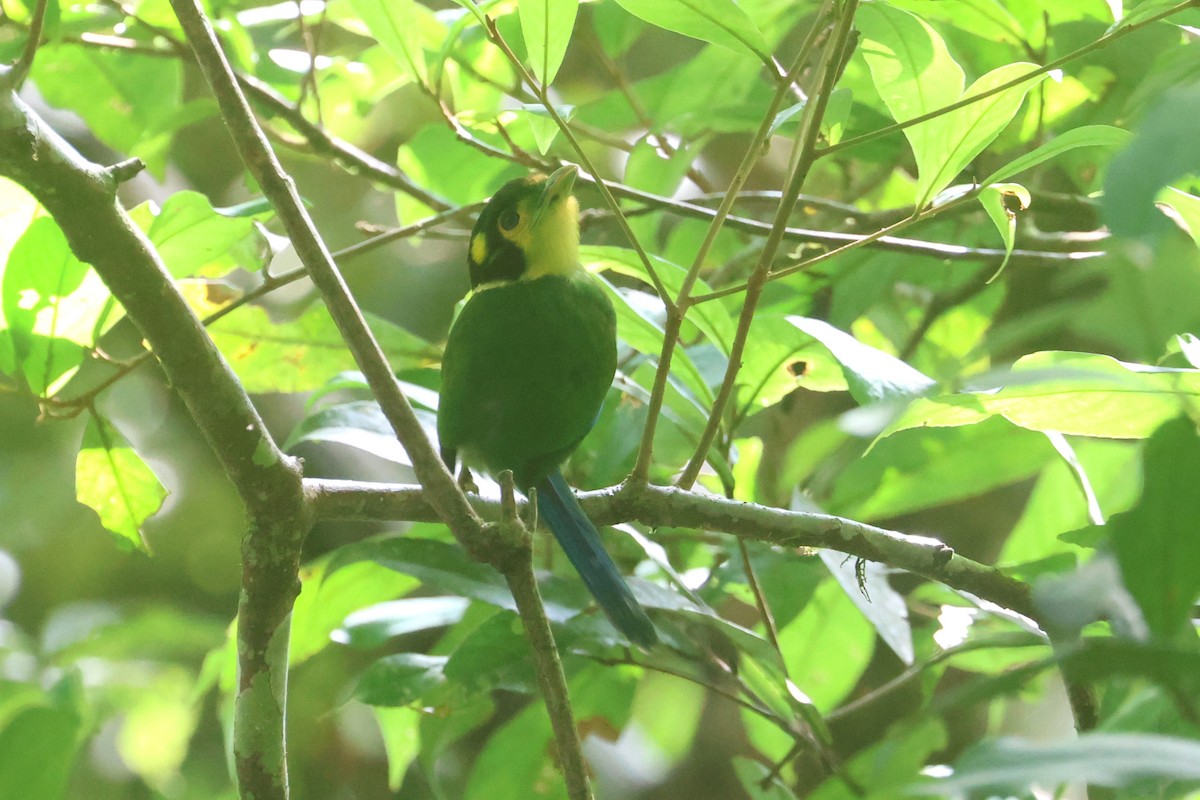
[(662, 506), (12, 78)]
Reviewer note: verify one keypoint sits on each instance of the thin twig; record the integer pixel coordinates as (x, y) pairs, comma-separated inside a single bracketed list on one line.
[(803, 159), (16, 75), (1103, 41), (853, 244), (676, 313)]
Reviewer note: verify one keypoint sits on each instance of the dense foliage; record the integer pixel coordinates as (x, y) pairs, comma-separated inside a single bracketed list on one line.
[(980, 329)]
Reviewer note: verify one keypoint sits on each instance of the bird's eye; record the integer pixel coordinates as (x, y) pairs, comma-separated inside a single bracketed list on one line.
[(509, 219)]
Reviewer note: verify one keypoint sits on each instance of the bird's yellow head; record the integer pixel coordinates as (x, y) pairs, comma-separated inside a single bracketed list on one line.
[(530, 228)]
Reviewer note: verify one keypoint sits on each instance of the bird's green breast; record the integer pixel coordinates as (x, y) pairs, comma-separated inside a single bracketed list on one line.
[(524, 374)]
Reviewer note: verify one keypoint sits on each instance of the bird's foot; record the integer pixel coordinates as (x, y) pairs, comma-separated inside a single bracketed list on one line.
[(466, 481)]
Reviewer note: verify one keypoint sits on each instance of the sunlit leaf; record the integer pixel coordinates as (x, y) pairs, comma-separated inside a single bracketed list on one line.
[(915, 75), (394, 25), (1073, 393), (192, 238), (963, 133), (401, 740), (304, 353), (54, 305), (993, 199), (936, 466), (372, 626), (721, 22), (547, 25), (116, 483), (871, 374), (1086, 136), (131, 102), (329, 596)]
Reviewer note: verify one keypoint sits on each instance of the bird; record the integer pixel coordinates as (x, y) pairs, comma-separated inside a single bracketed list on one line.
[(526, 367)]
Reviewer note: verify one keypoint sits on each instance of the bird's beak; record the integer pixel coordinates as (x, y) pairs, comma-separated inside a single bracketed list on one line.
[(557, 187)]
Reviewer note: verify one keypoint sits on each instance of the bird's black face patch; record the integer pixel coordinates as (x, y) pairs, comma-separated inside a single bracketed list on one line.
[(529, 229), (492, 256)]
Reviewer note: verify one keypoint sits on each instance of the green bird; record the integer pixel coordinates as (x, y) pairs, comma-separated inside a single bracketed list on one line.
[(526, 368)]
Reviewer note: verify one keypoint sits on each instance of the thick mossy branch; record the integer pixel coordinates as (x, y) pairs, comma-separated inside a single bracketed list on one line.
[(81, 196)]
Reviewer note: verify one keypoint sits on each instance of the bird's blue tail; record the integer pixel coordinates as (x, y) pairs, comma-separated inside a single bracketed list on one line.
[(560, 510)]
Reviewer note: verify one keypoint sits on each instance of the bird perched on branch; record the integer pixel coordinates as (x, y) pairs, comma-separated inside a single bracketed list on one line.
[(527, 365)]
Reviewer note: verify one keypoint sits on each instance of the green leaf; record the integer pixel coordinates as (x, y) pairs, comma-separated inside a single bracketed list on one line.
[(361, 425), (192, 238), (400, 728), (1057, 505), (882, 605), (672, 734), (304, 353), (1164, 148), (912, 70), (1189, 345), (374, 625), (543, 127), (1005, 220), (447, 566), (330, 594), (1156, 542), (872, 375), (753, 775), (1185, 208), (54, 305), (394, 25), (829, 623), (963, 134), (915, 75), (546, 26), (116, 483), (1108, 759), (1086, 136), (932, 467), (515, 760), (654, 168), (18, 209), (712, 319), (130, 102), (895, 760), (495, 655), (401, 679), (37, 749), (436, 159), (1073, 393), (719, 22), (638, 325)]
